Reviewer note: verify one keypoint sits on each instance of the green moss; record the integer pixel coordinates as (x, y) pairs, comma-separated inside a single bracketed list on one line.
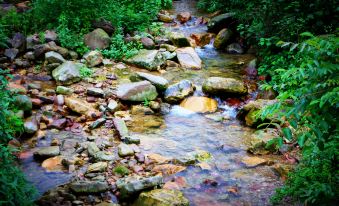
[(121, 170)]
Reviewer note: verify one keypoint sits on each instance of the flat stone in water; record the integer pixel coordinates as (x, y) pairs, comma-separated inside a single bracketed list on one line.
[(89, 187), (200, 104), (47, 152), (162, 197), (253, 161)]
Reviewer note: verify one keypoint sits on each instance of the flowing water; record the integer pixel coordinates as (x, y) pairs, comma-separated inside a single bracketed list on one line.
[(224, 180)]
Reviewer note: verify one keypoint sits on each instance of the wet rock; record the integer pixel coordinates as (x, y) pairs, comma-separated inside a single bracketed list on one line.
[(67, 73), (18, 42), (219, 85), (50, 36), (165, 18), (130, 186), (184, 17), (93, 58), (81, 107), (258, 141), (92, 149), (179, 39), (95, 92), (168, 169), (64, 90), (132, 140), (162, 197), (202, 39), (29, 55), (141, 110), (54, 57), (200, 104), (53, 164), (89, 187), (11, 53), (47, 152), (23, 103), (158, 81), (31, 126), (188, 58), (168, 55), (121, 128), (179, 91), (97, 39), (58, 124), (253, 161), (223, 38), (104, 156), (165, 108), (148, 59), (250, 110), (107, 204), (148, 43), (97, 167), (221, 21), (168, 47), (235, 48), (112, 105), (97, 123), (125, 150), (137, 92)]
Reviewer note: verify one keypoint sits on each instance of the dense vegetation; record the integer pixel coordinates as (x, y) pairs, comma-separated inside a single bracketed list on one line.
[(14, 190), (305, 72)]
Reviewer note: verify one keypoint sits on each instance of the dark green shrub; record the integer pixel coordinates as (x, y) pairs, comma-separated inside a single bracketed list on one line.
[(14, 189)]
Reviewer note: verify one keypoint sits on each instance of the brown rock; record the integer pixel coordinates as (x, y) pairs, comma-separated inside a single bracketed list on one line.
[(184, 17)]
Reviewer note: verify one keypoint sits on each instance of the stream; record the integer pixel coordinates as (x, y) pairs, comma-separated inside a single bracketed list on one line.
[(222, 179)]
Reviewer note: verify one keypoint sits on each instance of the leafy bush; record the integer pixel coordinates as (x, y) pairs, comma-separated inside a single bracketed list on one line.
[(120, 49), (280, 18), (306, 74), (85, 72), (14, 189)]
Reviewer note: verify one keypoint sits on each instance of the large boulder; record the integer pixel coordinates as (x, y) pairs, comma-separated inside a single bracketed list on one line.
[(165, 18), (81, 107), (222, 21), (54, 57), (137, 91), (223, 38), (130, 186), (67, 73), (97, 39), (200, 104), (250, 112), (179, 91), (162, 197), (188, 58), (258, 141), (159, 82), (93, 58), (220, 85), (23, 102), (179, 39), (148, 59)]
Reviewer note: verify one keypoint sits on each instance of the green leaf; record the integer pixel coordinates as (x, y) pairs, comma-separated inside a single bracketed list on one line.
[(287, 133)]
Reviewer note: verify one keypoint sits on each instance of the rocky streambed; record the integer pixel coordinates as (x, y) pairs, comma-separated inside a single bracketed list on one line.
[(173, 125)]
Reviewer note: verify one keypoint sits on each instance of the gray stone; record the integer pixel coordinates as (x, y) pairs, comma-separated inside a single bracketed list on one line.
[(130, 186), (47, 152), (31, 126), (125, 150), (93, 58), (220, 85), (23, 103), (121, 128), (67, 73), (179, 91), (159, 82), (97, 167), (223, 38), (103, 156), (148, 59), (188, 58), (54, 57), (64, 90), (95, 92), (89, 187), (97, 39), (11, 53), (132, 140), (137, 92), (235, 48), (219, 22), (97, 123), (92, 149), (179, 39), (112, 105)]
